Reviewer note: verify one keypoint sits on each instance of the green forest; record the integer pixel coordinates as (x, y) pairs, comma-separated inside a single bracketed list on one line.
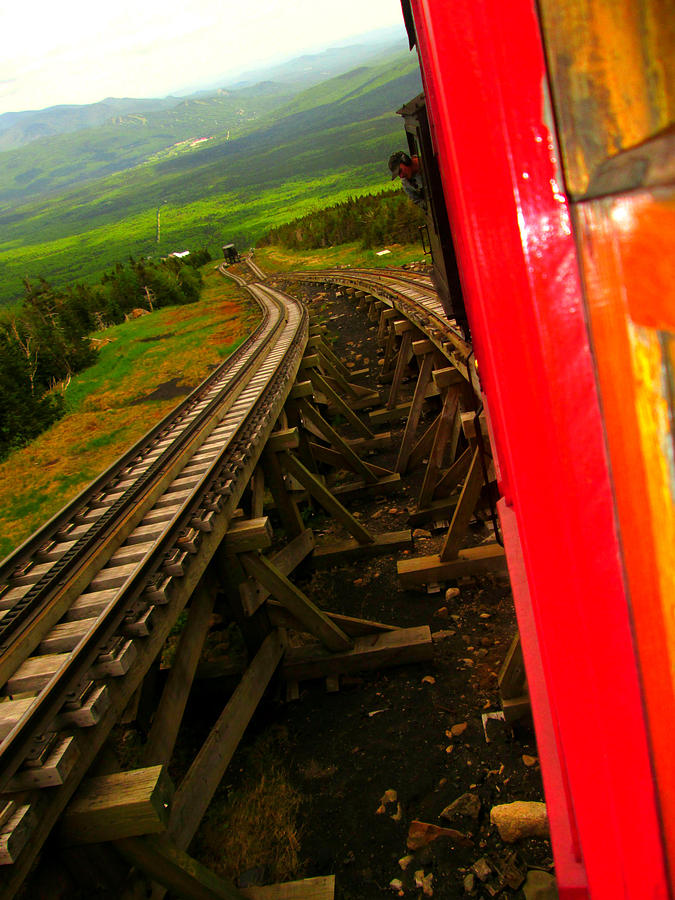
[(45, 339), (373, 220), (211, 170)]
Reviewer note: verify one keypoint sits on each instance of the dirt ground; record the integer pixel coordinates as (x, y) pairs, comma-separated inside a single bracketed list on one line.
[(401, 744)]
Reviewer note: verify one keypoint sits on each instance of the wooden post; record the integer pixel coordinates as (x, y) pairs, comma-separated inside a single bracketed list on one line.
[(321, 493), (401, 362), (415, 412), (331, 435), (317, 379), (167, 865), (464, 509), (203, 777), (446, 434), (257, 492), (295, 601), (285, 504), (165, 726)]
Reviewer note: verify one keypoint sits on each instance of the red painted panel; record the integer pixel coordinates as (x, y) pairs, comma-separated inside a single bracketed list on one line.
[(485, 78)]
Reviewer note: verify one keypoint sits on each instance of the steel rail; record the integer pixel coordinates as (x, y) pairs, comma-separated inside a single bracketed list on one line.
[(414, 297), (49, 701), (23, 554), (46, 600)]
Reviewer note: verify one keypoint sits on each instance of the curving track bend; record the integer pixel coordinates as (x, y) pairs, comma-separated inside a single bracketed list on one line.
[(87, 602)]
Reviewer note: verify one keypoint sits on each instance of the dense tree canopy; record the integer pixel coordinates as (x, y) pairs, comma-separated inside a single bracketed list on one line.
[(46, 339)]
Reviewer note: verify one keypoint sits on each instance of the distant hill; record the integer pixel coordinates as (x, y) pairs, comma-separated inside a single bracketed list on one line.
[(20, 128), (221, 167)]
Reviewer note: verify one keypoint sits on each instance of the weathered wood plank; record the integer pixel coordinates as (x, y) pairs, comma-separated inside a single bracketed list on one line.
[(285, 504), (282, 618), (248, 534), (167, 865), (329, 552), (415, 411), (336, 440), (323, 496), (466, 505), (431, 569), (445, 441), (122, 804), (203, 777), (318, 380), (404, 645), (169, 715), (318, 624), (253, 594), (54, 770)]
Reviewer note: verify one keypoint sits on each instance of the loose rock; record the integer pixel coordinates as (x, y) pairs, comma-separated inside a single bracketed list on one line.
[(540, 886), (451, 594), (521, 819), (466, 805)]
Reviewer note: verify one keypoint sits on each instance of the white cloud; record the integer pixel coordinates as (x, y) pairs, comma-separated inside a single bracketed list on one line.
[(81, 52)]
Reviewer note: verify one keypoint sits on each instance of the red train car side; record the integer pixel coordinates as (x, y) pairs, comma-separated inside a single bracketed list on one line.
[(552, 127)]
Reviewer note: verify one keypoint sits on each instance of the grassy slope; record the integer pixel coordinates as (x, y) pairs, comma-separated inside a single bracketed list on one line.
[(314, 152), (109, 406)]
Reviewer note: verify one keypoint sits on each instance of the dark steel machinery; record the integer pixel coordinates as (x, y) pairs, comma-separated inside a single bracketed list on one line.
[(552, 127)]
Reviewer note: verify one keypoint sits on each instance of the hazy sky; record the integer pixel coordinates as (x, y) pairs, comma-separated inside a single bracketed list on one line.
[(80, 51)]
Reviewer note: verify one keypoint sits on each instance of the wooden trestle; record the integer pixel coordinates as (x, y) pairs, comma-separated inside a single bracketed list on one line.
[(137, 817)]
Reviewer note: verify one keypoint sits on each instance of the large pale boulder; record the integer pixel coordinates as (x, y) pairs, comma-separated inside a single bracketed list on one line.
[(520, 819)]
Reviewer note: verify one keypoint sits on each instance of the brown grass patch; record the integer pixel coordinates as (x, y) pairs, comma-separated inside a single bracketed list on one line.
[(255, 825)]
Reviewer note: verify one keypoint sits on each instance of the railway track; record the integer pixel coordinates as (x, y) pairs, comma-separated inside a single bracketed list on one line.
[(87, 602), (414, 297)]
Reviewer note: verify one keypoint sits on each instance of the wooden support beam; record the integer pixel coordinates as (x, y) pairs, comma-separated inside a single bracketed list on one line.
[(339, 461), (512, 678), (314, 620), (389, 349), (402, 360), (445, 441), (388, 484), (257, 493), (438, 510), (301, 389), (331, 435), (455, 474), (386, 316), (183, 876), (123, 804), (203, 777), (432, 570), (285, 504), (319, 381), (323, 496), (333, 552), (424, 444), (464, 510), (381, 416), (17, 822), (253, 594), (320, 888), (448, 377), (280, 617), (375, 651), (166, 723), (380, 441), (286, 439), (415, 412), (248, 534)]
